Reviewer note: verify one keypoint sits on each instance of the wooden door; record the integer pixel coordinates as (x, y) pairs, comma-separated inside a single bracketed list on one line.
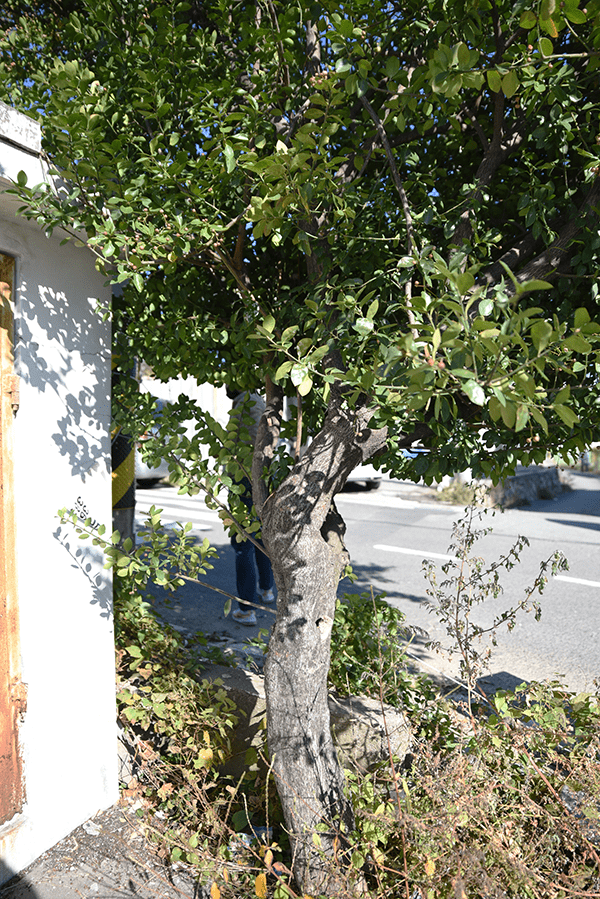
[(12, 691)]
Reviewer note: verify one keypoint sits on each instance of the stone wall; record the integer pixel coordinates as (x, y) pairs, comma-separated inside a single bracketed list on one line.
[(360, 726), (527, 485)]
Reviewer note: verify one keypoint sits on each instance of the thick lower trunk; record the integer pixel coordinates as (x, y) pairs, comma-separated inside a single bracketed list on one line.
[(304, 537), (309, 779)]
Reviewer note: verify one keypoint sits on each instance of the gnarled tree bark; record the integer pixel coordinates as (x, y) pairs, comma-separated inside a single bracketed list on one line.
[(303, 534)]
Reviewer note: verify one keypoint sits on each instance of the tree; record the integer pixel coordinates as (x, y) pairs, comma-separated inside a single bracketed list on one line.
[(387, 210)]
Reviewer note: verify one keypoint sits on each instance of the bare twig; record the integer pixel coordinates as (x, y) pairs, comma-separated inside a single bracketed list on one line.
[(410, 236)]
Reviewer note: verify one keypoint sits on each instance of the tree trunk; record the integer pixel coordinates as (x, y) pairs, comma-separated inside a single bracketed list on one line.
[(303, 534)]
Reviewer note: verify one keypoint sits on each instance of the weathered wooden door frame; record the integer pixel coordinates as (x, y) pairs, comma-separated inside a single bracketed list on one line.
[(12, 691)]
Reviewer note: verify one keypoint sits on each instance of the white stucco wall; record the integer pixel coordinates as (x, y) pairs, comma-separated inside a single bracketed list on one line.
[(211, 399), (62, 457)]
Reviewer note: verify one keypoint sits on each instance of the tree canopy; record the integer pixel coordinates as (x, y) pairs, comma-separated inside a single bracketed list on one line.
[(416, 184)]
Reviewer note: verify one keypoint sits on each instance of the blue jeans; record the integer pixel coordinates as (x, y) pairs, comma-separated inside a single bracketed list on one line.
[(248, 560)]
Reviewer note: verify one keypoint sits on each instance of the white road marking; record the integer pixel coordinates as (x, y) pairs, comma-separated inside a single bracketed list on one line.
[(176, 508), (172, 510), (423, 553), (386, 501), (577, 580)]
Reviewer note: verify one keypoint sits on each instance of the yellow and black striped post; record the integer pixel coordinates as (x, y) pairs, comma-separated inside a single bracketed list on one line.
[(123, 475)]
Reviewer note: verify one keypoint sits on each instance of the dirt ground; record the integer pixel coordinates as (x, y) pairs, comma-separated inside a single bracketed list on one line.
[(108, 857)]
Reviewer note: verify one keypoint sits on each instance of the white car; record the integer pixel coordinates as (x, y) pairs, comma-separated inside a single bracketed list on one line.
[(367, 475), (371, 478)]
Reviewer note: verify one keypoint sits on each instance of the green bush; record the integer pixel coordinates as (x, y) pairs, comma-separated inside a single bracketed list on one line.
[(369, 643)]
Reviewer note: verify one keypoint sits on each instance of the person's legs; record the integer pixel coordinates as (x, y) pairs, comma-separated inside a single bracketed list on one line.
[(245, 574), (265, 576), (246, 556)]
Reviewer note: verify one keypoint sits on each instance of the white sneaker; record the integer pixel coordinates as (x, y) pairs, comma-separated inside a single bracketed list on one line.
[(248, 618), (267, 596)]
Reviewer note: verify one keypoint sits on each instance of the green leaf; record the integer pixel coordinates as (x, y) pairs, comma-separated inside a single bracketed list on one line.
[(392, 66), (363, 326), (269, 323), (305, 386), (283, 370), (229, 158), (522, 417), (509, 415), (299, 373), (541, 333), (239, 820), (539, 417), (372, 310), (319, 353), (546, 46), (534, 284), (495, 408), (528, 19), (304, 346), (494, 80), (357, 860), (288, 334), (464, 282), (463, 55), (549, 26), (547, 8), (510, 84), (566, 415), (345, 28), (582, 316), (576, 16), (351, 83), (475, 392), (579, 344)]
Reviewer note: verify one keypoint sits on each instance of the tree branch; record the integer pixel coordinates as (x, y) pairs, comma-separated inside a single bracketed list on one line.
[(393, 171), (284, 67), (267, 438), (497, 153), (550, 263), (403, 199)]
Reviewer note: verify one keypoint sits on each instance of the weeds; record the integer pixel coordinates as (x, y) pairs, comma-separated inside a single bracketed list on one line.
[(505, 808), (460, 494), (178, 726), (469, 582)]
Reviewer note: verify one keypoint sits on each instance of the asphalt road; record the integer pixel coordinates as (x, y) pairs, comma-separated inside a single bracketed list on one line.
[(392, 530), (389, 537)]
